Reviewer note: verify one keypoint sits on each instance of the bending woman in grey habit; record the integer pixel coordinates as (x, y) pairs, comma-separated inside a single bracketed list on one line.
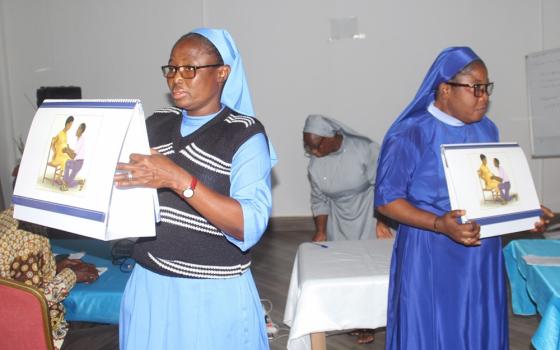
[(341, 173), (342, 168)]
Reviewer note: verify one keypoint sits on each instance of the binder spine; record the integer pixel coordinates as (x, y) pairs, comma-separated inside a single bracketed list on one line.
[(110, 103)]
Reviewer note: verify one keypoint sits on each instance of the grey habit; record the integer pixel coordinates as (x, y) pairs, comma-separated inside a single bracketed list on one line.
[(342, 183)]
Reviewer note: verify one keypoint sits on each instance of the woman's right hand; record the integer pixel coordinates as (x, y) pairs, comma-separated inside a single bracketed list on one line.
[(152, 171), (466, 234), (319, 237), (85, 272)]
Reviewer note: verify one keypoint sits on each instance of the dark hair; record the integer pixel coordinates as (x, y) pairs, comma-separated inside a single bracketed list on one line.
[(206, 45), (482, 156), (497, 161), (82, 126), (70, 119)]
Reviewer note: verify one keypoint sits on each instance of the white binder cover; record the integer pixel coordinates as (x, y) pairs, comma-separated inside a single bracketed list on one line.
[(481, 189), (89, 204)]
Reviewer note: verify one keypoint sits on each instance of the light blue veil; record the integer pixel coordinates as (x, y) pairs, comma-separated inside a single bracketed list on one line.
[(236, 94)]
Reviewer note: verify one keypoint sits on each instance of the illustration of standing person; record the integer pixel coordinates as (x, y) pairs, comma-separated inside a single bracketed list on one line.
[(76, 161), (504, 185)]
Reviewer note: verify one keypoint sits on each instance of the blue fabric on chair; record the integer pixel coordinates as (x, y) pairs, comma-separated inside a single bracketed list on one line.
[(99, 301), (536, 288)]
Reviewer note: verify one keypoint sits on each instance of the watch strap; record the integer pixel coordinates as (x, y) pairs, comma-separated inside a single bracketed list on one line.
[(194, 181)]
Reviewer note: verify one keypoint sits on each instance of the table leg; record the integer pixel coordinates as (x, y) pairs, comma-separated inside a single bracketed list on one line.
[(318, 341)]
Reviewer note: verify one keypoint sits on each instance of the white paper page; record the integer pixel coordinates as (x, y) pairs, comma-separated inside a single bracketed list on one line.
[(39, 196), (132, 212), (461, 166), (542, 260), (77, 255)]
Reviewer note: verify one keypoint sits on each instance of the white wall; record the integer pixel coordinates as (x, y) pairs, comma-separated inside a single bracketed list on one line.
[(115, 48)]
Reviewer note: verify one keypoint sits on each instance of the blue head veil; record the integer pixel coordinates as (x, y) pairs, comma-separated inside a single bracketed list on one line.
[(236, 93), (449, 62)]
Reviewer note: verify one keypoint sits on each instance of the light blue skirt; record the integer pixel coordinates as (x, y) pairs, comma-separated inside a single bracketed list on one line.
[(161, 312)]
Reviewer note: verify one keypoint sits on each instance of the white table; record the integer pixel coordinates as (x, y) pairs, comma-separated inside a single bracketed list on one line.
[(343, 286)]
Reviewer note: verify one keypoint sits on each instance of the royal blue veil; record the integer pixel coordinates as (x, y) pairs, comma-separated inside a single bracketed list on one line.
[(448, 63)]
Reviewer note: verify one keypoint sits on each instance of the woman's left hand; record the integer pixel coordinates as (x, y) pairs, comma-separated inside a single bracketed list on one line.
[(153, 171), (541, 225), (383, 231)]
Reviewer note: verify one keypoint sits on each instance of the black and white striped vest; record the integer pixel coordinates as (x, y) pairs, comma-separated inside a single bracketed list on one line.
[(186, 244)]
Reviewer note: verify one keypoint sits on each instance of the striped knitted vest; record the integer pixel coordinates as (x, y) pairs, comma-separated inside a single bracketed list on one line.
[(186, 244)]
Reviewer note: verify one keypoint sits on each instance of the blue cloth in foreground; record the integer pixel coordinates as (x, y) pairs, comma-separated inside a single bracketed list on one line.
[(99, 301), (536, 287), (442, 295)]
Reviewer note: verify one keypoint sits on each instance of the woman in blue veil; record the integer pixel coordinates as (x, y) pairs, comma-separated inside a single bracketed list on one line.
[(447, 286)]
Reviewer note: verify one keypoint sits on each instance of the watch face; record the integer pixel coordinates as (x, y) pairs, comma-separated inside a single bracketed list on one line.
[(188, 193)]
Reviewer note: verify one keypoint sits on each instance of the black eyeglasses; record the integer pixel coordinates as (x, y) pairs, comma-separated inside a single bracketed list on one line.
[(187, 72), (478, 89)]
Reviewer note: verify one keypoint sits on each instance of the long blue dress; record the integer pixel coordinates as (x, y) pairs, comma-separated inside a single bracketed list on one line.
[(442, 295)]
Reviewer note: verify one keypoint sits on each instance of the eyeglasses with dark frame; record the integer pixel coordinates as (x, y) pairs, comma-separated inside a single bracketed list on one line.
[(187, 72), (478, 89)]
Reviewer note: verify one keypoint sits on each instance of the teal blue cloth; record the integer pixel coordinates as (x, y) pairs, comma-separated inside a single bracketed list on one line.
[(536, 288), (99, 301)]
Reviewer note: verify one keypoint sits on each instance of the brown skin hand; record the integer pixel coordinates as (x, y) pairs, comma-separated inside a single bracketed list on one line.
[(546, 218), (404, 212), (320, 228), (84, 272)]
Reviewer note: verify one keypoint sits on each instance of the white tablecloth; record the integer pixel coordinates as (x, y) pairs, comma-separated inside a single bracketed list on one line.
[(340, 287)]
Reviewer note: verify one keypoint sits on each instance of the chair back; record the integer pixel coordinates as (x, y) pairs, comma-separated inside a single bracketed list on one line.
[(24, 317)]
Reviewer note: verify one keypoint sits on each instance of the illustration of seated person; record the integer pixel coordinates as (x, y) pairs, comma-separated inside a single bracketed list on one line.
[(490, 182), (58, 146), (76, 161), (504, 185)]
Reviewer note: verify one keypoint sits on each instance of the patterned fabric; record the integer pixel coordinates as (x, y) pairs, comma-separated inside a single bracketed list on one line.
[(27, 257)]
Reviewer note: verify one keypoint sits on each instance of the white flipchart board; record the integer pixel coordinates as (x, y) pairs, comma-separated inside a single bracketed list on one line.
[(96, 208), (543, 91)]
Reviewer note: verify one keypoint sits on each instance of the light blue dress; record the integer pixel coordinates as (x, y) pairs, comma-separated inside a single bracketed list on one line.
[(183, 313)]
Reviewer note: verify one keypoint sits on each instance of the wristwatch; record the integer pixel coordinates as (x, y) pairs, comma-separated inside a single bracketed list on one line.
[(189, 191)]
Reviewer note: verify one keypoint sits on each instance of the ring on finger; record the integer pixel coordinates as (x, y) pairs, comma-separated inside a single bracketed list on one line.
[(129, 176)]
